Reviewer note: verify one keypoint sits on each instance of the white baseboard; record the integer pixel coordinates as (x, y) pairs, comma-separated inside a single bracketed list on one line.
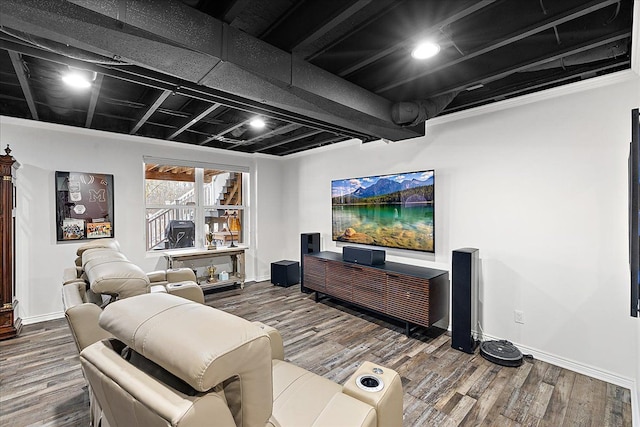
[(263, 278), (42, 318)]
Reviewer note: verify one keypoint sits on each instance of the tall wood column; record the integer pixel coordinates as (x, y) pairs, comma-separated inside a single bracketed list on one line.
[(10, 322)]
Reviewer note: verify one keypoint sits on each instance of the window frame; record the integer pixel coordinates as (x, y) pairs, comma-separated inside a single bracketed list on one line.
[(200, 209)]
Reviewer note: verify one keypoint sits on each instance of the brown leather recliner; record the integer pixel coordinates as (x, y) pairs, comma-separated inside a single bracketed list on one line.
[(173, 362)]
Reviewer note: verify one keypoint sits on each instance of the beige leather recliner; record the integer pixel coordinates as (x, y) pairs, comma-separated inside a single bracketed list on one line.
[(173, 362), (102, 274)]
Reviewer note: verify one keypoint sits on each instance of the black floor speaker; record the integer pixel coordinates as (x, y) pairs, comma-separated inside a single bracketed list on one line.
[(309, 244), (464, 298)]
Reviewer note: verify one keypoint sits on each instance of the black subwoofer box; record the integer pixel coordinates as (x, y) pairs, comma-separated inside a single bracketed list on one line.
[(285, 273), (362, 255), (464, 298)]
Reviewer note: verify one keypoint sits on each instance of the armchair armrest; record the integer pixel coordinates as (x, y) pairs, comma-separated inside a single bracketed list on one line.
[(277, 347), (83, 322), (173, 275), (386, 399)]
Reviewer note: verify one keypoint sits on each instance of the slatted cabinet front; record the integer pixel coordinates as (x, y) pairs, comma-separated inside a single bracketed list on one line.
[(404, 296)]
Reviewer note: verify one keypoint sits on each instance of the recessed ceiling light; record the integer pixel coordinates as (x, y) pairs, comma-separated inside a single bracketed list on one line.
[(78, 78), (425, 50), (257, 123)]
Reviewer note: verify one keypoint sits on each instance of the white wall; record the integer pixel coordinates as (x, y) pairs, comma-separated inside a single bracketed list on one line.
[(541, 190), (43, 148)]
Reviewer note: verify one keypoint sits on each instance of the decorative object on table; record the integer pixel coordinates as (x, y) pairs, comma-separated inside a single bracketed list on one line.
[(223, 275), (84, 205), (211, 241), (233, 225), (212, 271)]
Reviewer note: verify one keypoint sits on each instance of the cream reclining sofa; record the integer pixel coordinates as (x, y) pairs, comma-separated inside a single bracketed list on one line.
[(103, 274), (173, 362)]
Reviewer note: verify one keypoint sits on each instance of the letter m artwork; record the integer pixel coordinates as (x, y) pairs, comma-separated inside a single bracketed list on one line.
[(99, 195)]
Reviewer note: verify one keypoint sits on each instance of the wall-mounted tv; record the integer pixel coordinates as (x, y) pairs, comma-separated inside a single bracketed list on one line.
[(394, 211), (634, 211)]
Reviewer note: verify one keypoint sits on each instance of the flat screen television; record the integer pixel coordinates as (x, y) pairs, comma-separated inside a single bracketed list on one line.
[(394, 211), (634, 211)]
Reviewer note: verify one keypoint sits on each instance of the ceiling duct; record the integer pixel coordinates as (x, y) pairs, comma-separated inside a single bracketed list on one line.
[(412, 113)]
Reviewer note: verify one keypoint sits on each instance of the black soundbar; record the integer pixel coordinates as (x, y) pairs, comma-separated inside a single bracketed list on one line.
[(363, 256)]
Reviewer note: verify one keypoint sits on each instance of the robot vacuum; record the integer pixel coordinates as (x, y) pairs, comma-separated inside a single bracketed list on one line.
[(501, 352)]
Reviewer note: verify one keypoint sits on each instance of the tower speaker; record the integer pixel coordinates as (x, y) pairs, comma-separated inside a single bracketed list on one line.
[(309, 243), (464, 298)]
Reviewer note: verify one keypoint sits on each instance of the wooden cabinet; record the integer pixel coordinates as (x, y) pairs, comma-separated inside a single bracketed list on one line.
[(314, 273), (10, 322), (415, 295), (338, 280), (370, 288)]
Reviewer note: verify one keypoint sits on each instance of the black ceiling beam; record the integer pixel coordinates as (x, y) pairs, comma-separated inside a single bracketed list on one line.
[(150, 110), (546, 24), (336, 19), (18, 66), (234, 9), (393, 4), (93, 100), (528, 88), (204, 113), (435, 28), (277, 131), (311, 144), (225, 131), (522, 66), (288, 140)]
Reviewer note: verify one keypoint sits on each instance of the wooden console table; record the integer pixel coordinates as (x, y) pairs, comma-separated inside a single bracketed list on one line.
[(415, 295), (190, 257)]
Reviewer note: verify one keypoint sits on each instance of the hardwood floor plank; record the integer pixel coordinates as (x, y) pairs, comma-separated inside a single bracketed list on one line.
[(580, 403), (42, 382), (560, 397), (486, 400)]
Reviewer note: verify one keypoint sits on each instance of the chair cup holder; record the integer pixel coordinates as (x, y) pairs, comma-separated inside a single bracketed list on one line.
[(369, 383)]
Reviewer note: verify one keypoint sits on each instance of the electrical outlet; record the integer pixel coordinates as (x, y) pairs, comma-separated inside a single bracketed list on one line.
[(518, 316)]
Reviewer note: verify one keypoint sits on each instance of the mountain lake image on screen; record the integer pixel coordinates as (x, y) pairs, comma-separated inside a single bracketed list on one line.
[(394, 211)]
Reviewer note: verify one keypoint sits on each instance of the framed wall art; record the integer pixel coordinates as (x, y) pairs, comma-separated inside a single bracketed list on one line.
[(84, 206)]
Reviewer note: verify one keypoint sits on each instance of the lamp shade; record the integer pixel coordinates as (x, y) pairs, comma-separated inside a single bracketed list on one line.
[(234, 223)]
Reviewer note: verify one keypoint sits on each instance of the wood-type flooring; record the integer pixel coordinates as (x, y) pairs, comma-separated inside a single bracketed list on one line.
[(41, 383)]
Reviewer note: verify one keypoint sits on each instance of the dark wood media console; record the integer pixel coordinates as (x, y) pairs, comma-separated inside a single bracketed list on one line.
[(415, 295)]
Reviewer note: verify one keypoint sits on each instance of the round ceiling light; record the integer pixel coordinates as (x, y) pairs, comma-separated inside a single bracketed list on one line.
[(257, 123), (77, 78), (425, 50)]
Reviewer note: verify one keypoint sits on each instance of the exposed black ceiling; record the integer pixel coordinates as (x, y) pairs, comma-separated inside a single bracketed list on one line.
[(318, 71)]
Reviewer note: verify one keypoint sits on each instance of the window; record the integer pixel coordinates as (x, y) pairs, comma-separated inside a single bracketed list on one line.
[(192, 205)]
